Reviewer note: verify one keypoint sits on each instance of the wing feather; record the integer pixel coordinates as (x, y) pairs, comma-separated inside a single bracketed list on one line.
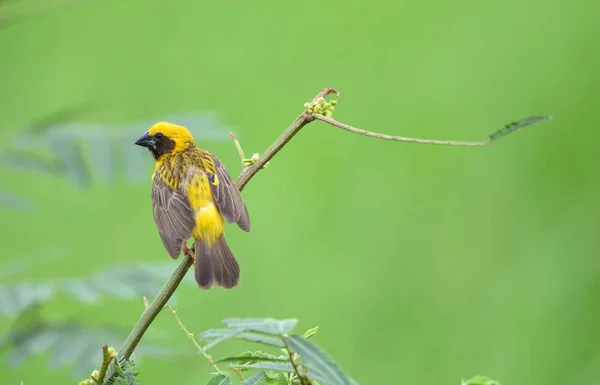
[(227, 196), (173, 215)]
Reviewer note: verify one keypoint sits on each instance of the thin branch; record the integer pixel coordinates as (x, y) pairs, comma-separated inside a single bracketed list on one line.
[(238, 146), (248, 173), (509, 128), (106, 359), (191, 337)]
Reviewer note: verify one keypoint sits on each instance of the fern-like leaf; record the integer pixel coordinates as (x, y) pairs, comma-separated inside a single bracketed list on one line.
[(120, 372), (256, 379), (277, 366), (14, 299), (317, 361), (262, 325), (66, 343), (251, 359), (219, 379), (213, 334)]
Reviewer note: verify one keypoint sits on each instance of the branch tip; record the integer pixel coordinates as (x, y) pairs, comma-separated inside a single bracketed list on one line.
[(324, 92)]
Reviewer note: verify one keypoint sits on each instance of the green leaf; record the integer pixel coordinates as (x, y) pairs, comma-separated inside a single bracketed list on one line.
[(249, 357), (276, 366), (66, 343), (316, 360), (480, 380), (262, 325), (310, 332), (212, 334), (255, 359), (514, 126), (272, 374), (68, 151), (219, 379), (215, 342), (255, 379), (120, 372), (227, 333), (57, 118), (279, 379), (15, 299)]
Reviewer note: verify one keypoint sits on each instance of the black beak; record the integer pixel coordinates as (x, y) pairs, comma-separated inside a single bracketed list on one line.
[(145, 140)]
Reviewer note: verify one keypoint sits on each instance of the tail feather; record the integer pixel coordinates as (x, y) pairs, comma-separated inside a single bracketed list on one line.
[(216, 264)]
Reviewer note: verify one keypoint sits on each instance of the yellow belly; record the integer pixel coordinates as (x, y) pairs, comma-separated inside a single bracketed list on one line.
[(209, 222)]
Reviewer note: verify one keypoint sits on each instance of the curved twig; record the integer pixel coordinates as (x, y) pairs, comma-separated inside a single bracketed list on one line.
[(248, 173)]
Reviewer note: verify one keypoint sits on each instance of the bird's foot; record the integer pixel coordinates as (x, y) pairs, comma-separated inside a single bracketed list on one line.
[(187, 251)]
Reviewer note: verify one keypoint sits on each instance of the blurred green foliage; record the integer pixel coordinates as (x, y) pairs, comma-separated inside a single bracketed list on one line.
[(299, 361), (436, 260)]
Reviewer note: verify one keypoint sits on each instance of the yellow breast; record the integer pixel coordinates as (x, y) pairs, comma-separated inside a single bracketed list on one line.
[(209, 222)]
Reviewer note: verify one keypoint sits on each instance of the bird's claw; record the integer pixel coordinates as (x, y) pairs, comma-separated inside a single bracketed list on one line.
[(187, 251)]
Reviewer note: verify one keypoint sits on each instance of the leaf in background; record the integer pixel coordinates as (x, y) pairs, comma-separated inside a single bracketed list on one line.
[(214, 343), (262, 325), (80, 290), (136, 162), (100, 148), (15, 202), (69, 350), (277, 366), (130, 282), (69, 152), (110, 147), (57, 118), (219, 379), (246, 358), (68, 343), (212, 334), (14, 299), (255, 379), (47, 253), (316, 360), (31, 162)]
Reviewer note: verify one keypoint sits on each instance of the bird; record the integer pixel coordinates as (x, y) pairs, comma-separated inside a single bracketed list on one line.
[(193, 195)]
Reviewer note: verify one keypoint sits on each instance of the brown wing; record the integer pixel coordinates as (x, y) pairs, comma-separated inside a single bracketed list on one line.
[(173, 215), (227, 196)]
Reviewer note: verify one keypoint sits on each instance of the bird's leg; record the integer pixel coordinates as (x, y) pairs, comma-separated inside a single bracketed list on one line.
[(187, 251)]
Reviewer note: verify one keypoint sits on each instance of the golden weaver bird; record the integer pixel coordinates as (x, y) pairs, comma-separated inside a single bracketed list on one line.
[(192, 195)]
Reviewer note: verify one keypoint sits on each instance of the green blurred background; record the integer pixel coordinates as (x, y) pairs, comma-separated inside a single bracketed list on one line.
[(420, 264)]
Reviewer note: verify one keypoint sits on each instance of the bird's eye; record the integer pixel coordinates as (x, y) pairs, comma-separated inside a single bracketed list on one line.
[(159, 135)]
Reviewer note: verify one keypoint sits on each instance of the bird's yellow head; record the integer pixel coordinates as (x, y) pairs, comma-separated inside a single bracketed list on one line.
[(166, 138)]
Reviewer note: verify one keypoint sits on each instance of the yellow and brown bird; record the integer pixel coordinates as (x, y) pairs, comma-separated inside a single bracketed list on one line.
[(192, 196)]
